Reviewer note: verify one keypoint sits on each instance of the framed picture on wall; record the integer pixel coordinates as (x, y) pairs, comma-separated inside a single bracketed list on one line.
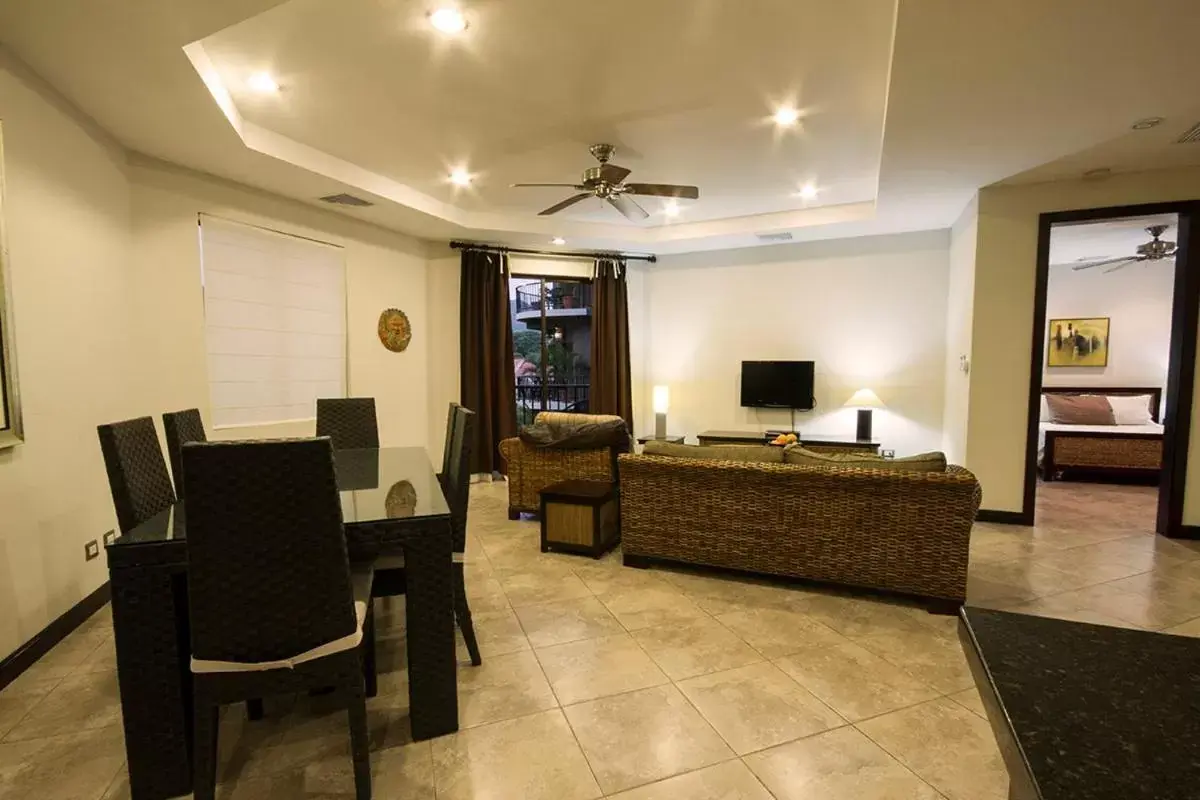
[(1079, 342), (10, 408)]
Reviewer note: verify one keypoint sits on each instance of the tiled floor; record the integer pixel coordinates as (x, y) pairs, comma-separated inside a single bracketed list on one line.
[(604, 681)]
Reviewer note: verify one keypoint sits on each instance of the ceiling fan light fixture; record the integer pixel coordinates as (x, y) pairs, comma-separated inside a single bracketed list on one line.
[(460, 177), (670, 209), (263, 83), (1147, 123), (558, 240), (448, 19), (786, 116), (808, 191)]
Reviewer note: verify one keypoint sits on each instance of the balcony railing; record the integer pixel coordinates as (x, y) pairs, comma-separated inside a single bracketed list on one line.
[(534, 396), (565, 295)]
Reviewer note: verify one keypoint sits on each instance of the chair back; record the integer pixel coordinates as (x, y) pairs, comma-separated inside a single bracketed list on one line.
[(456, 480), (181, 427), (448, 448), (137, 472), (349, 421), (268, 575)]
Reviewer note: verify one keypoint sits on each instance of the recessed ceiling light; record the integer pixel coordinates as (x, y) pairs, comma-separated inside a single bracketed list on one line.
[(808, 191), (786, 116), (460, 177), (262, 82), (448, 20), (558, 240), (1147, 123), (670, 208)]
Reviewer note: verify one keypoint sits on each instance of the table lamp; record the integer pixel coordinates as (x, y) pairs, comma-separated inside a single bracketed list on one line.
[(662, 400), (864, 400)]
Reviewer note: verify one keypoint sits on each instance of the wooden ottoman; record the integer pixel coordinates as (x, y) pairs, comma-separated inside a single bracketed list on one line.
[(580, 517)]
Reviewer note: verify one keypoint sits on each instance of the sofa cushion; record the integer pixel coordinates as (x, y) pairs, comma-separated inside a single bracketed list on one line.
[(761, 454), (922, 462)]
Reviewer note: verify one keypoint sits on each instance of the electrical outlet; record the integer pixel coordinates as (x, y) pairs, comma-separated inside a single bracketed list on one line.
[(91, 550), (889, 453), (109, 538)]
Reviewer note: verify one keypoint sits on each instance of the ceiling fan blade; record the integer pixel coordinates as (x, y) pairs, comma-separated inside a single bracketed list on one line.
[(664, 190), (626, 206), (1105, 262), (553, 185), (1121, 266), (612, 173), (570, 201)]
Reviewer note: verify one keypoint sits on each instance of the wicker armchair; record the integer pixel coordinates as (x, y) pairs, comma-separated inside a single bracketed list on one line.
[(531, 469), (904, 532)]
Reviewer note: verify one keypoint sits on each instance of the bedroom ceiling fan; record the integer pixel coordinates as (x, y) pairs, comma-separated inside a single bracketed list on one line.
[(1154, 250), (607, 182)]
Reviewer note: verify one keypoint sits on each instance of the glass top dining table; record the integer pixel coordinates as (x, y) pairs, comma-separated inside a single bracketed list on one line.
[(375, 485)]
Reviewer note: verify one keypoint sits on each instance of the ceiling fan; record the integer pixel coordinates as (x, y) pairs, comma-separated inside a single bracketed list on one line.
[(1153, 250), (607, 182)]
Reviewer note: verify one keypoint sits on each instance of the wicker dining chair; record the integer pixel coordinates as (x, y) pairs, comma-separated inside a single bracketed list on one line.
[(456, 485), (349, 421), (273, 603), (181, 427), (137, 472)]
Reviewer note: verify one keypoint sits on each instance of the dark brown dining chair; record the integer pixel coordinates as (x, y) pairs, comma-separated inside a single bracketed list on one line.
[(349, 421), (137, 472), (456, 485), (274, 605), (181, 427)]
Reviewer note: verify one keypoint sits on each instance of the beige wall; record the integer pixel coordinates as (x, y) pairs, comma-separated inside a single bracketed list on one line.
[(871, 312), (1005, 271), (67, 220), (960, 300)]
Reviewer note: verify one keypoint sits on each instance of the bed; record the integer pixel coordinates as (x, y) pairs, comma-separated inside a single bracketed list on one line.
[(1108, 450)]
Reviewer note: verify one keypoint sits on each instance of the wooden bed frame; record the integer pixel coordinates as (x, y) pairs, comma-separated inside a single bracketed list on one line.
[(1113, 454)]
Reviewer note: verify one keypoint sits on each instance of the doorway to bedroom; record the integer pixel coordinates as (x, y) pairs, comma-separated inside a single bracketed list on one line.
[(1106, 354)]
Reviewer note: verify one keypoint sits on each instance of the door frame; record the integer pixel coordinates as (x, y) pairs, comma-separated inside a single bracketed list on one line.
[(1181, 370)]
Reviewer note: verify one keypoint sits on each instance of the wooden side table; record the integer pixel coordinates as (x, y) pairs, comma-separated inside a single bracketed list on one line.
[(580, 517), (670, 438)]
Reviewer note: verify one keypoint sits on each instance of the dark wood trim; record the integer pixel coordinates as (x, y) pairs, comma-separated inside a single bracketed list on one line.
[(575, 254), (1155, 392), (1185, 315), (1004, 517), (27, 654), (1188, 532)]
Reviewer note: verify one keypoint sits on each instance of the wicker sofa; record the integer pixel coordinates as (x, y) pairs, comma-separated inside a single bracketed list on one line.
[(531, 469), (904, 532)]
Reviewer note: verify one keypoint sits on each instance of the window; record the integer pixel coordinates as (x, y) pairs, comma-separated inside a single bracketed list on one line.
[(552, 338), (275, 323)]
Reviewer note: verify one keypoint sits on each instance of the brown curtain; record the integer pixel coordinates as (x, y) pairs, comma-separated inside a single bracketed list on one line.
[(612, 388), (486, 356)]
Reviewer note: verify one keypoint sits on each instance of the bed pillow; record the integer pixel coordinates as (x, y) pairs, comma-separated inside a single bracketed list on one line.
[(1131, 409), (1045, 415), (1080, 409)]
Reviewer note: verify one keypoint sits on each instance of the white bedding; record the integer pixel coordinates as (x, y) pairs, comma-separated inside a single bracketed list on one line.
[(1110, 429)]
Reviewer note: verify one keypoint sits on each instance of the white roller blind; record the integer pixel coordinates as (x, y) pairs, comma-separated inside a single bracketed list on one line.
[(275, 323)]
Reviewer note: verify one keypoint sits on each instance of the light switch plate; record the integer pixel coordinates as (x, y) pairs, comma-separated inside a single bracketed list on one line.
[(91, 550), (109, 538), (889, 453)]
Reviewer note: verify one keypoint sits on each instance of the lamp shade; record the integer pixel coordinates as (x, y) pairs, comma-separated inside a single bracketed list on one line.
[(864, 398), (662, 399)]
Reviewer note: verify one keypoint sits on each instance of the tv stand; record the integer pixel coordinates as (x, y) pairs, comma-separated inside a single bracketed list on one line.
[(811, 441)]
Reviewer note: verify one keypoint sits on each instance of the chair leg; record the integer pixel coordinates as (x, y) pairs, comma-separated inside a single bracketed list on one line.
[(254, 709), (462, 613), (368, 657), (359, 744), (204, 748)]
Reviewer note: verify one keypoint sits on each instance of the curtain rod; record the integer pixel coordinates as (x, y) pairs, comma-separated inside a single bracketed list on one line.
[(491, 248)]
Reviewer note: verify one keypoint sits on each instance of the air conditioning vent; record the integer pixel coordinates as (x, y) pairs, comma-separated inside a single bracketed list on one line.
[(1191, 135), (344, 199), (774, 237)]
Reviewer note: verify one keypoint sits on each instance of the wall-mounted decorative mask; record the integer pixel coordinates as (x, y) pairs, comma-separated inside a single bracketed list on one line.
[(394, 330)]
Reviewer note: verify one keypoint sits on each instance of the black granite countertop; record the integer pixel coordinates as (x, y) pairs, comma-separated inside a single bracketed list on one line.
[(1091, 712)]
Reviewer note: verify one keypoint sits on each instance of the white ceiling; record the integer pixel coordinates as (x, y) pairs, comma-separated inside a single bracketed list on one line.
[(1092, 241), (375, 103)]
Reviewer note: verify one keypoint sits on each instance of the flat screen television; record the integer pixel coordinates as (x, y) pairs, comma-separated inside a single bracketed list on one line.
[(777, 384)]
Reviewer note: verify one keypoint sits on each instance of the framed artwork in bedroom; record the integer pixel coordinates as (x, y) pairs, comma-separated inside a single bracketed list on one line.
[(1079, 342)]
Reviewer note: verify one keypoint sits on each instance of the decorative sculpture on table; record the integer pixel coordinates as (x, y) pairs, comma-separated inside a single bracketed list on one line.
[(394, 330)]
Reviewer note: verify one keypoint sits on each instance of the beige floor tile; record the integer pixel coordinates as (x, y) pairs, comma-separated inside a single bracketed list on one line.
[(853, 681), (609, 577), (638, 608), (79, 702), (860, 616), (102, 659), (731, 780), (724, 595), (948, 746), (841, 764), (498, 633), (533, 758), (502, 687), (970, 700), (758, 706), (933, 657), (69, 767), (1066, 607), (639, 737), (776, 633), (18, 698), (485, 594), (567, 621), (66, 656), (1191, 628), (1143, 609), (695, 648), (526, 587), (597, 667)]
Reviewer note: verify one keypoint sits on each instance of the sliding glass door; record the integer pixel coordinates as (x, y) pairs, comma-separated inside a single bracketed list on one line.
[(552, 341)]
